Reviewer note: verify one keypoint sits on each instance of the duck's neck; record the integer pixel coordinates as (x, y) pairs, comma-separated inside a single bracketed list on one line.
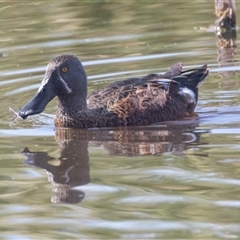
[(72, 114), (71, 105)]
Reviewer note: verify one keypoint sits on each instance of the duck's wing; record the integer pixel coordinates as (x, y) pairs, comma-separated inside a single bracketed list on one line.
[(100, 97), (148, 103), (158, 99), (153, 92), (173, 71)]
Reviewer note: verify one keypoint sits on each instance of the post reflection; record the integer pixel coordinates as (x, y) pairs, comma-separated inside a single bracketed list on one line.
[(73, 164)]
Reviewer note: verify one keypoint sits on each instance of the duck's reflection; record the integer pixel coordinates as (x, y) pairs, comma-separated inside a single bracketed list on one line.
[(72, 168), (69, 170), (226, 33)]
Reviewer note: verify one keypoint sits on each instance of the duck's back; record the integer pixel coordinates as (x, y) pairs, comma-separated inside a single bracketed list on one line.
[(102, 97), (151, 99)]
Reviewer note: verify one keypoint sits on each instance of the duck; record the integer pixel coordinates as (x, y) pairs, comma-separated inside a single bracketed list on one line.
[(135, 101)]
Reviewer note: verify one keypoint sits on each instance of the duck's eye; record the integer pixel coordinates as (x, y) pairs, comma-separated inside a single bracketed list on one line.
[(64, 69)]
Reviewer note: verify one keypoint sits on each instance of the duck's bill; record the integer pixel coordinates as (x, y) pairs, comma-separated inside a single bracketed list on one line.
[(38, 103)]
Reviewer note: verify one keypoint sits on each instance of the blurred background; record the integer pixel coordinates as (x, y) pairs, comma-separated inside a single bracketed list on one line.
[(172, 180)]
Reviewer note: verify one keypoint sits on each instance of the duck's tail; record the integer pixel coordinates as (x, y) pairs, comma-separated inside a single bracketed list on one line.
[(192, 77)]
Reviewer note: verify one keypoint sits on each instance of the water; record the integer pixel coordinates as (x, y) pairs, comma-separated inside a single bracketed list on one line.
[(173, 180)]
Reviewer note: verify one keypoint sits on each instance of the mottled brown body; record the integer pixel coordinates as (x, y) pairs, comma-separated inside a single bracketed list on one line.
[(136, 101)]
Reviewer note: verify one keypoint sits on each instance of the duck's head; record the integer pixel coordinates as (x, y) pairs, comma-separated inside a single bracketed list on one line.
[(65, 77)]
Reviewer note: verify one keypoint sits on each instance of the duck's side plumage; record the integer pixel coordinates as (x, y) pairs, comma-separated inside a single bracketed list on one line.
[(151, 99), (135, 101), (101, 97)]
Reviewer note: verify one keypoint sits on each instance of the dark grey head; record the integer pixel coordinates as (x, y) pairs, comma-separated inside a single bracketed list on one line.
[(65, 77)]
